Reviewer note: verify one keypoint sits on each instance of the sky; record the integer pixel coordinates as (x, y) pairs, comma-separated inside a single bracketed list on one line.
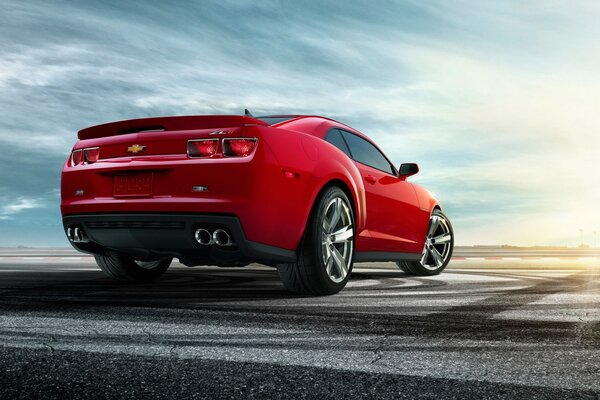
[(497, 101)]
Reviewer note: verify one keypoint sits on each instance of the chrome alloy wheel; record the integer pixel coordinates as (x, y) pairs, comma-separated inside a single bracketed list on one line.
[(438, 243), (337, 242)]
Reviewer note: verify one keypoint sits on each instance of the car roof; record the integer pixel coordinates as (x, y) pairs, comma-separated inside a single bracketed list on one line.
[(317, 126), (312, 124)]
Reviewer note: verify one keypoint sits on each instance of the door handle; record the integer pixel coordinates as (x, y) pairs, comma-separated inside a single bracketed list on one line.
[(371, 179)]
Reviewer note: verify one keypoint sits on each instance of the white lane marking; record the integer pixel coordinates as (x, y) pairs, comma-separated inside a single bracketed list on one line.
[(412, 293), (389, 282), (48, 324), (555, 315), (471, 277)]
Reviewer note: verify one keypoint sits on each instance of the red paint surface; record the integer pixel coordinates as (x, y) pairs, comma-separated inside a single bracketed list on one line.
[(391, 213)]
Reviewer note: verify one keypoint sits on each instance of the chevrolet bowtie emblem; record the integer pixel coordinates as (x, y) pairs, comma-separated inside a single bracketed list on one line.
[(136, 148)]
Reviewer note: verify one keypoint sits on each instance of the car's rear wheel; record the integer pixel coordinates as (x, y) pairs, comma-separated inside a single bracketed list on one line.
[(437, 251), (326, 253), (126, 268)]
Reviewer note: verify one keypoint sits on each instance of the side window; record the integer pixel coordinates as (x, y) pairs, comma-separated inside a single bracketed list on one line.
[(365, 153), (335, 138)]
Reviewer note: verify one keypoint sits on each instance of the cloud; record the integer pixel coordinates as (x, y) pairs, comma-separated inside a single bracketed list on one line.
[(18, 206), (41, 67)]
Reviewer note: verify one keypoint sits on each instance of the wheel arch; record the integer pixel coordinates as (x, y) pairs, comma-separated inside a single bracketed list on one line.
[(342, 185), (355, 201)]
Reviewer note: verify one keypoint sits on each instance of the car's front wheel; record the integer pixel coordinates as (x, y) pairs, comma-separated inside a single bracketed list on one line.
[(437, 251), (126, 268), (326, 253)]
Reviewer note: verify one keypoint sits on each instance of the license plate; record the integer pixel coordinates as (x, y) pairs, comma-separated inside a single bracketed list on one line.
[(133, 185)]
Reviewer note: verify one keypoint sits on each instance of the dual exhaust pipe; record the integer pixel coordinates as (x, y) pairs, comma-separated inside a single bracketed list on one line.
[(220, 237), (76, 235)]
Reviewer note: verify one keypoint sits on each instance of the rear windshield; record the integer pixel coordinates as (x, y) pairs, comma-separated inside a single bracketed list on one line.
[(274, 120)]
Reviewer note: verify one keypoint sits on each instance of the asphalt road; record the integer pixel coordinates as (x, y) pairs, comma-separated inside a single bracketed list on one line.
[(482, 329)]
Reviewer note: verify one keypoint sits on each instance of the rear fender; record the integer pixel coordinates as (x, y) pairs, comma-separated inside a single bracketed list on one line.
[(353, 183), (316, 163)]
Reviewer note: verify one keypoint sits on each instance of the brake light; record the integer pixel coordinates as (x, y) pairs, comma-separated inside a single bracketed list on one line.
[(91, 155), (77, 157), (239, 147), (202, 147)]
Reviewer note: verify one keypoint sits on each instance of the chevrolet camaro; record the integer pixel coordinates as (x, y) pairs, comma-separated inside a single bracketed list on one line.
[(305, 194)]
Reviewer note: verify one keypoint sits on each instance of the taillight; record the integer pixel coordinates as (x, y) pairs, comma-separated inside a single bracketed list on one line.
[(91, 155), (85, 156), (239, 147), (77, 157), (202, 147)]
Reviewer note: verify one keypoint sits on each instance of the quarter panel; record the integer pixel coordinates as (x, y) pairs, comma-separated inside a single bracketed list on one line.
[(315, 163)]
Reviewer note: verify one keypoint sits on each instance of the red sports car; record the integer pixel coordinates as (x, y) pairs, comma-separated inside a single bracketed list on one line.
[(306, 194)]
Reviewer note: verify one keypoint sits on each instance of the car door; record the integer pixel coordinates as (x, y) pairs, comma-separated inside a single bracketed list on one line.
[(392, 205)]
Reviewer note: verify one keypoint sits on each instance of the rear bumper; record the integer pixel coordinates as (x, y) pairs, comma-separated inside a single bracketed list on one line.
[(172, 234)]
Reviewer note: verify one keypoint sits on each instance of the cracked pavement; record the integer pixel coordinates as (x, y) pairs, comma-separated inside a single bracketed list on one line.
[(484, 329)]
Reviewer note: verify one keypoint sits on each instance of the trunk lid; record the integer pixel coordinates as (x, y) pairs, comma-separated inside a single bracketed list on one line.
[(159, 136)]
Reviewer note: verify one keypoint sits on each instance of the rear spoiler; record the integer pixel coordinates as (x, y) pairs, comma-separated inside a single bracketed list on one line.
[(167, 124)]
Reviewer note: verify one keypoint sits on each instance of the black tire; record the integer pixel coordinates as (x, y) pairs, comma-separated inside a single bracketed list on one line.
[(126, 268), (416, 267), (309, 275)]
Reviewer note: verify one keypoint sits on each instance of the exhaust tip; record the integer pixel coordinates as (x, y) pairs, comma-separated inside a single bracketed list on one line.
[(75, 234), (203, 237), (222, 238)]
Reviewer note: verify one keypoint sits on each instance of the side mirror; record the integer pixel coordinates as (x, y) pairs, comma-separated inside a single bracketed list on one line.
[(408, 169)]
